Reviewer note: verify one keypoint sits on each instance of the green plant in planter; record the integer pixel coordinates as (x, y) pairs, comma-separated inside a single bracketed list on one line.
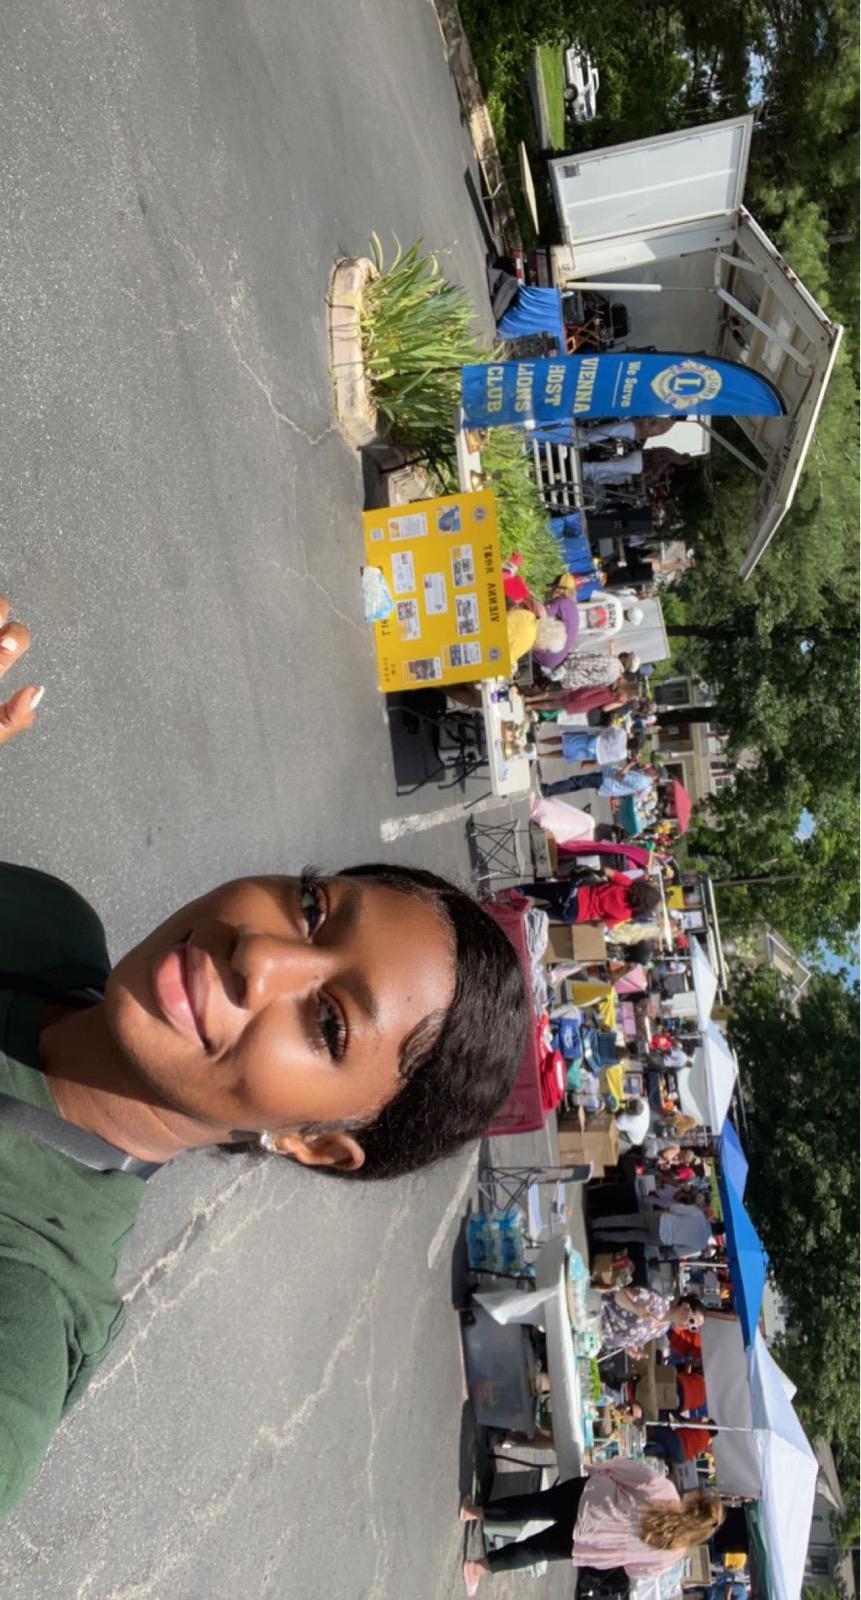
[(524, 524), (416, 335)]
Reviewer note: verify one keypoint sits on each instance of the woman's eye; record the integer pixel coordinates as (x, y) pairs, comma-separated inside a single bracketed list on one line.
[(333, 1032), (311, 904)]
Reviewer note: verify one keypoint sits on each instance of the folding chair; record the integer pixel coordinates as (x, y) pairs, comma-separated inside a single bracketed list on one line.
[(519, 1189), (458, 745), (495, 850)]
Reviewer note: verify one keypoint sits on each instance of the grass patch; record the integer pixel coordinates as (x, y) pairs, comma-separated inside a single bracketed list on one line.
[(551, 67)]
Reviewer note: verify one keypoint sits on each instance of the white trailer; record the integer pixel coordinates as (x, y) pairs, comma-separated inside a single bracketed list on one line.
[(659, 227)]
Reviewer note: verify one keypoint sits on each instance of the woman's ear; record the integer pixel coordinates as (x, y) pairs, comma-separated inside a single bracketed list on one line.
[(335, 1149)]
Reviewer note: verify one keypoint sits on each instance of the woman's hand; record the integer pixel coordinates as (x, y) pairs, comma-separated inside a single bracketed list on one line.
[(17, 714)]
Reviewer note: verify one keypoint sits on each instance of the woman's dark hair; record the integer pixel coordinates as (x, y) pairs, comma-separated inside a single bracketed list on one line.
[(458, 1066), (693, 1302), (643, 898)]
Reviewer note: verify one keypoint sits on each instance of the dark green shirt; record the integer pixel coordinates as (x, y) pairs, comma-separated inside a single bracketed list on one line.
[(62, 1225)]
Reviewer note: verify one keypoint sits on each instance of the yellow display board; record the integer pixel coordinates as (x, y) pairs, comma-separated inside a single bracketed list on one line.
[(441, 562), (676, 898)]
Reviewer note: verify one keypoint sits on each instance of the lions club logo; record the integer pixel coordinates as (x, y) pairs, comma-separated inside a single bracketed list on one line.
[(687, 384)]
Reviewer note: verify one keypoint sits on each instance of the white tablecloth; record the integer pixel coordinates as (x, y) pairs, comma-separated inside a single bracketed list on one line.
[(546, 1306)]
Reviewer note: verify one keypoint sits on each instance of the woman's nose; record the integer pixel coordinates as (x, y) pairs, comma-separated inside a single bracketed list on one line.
[(274, 969)]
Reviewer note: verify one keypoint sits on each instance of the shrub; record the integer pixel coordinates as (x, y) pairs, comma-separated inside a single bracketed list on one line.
[(416, 335)]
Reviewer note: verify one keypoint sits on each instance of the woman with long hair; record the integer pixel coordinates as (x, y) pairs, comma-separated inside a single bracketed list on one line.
[(624, 1514)]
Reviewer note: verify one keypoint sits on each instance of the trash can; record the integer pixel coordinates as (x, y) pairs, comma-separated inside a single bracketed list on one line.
[(502, 1371)]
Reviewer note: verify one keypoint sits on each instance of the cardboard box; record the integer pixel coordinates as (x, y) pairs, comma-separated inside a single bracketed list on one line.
[(594, 1139), (656, 1388), (603, 1272), (583, 941)]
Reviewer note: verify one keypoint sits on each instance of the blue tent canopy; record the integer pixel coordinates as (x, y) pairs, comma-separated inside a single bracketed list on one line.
[(732, 1158), (534, 311), (748, 1262)]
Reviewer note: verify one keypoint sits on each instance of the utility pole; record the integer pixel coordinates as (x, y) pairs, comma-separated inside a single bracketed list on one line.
[(766, 877)]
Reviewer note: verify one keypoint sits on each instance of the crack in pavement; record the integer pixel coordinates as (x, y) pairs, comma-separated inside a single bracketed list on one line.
[(229, 325), (165, 1264), (182, 1539), (308, 577)]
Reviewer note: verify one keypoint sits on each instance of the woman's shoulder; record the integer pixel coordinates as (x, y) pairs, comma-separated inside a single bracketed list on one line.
[(46, 925)]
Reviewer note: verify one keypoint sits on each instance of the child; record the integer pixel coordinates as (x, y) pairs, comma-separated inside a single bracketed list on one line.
[(614, 900)]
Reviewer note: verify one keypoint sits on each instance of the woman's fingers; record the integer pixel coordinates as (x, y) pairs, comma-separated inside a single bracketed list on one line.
[(14, 638), (18, 713)]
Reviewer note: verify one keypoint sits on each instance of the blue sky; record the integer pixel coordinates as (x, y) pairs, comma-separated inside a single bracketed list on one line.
[(806, 825), (831, 962)]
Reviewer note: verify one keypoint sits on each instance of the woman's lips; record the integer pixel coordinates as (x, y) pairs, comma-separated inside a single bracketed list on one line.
[(170, 984)]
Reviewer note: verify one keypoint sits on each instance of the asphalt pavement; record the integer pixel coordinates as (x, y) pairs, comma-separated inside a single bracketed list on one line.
[(180, 527)]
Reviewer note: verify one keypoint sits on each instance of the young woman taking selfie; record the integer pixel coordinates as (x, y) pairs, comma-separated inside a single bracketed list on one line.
[(364, 1023)]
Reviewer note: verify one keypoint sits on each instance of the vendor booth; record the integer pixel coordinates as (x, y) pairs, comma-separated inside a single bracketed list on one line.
[(692, 270), (760, 1448), (539, 1086), (549, 1306)]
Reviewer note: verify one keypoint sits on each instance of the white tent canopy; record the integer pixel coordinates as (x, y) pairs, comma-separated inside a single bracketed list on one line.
[(770, 1456), (705, 982), (660, 224), (787, 337), (706, 1088)]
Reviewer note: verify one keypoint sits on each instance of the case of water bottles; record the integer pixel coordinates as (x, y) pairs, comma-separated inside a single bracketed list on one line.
[(495, 1243)]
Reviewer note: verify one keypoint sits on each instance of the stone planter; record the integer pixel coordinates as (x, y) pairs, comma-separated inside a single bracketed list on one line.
[(354, 407), (357, 415)]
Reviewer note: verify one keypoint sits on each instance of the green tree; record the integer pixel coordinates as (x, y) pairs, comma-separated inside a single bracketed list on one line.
[(800, 1082), (764, 873)]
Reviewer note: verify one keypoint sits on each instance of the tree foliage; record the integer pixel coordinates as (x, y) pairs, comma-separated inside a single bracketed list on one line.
[(800, 1081), (805, 888), (780, 656)]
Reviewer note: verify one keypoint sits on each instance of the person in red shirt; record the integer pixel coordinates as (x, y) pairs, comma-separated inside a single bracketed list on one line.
[(691, 1388), (617, 899), (686, 1342), (678, 1444)]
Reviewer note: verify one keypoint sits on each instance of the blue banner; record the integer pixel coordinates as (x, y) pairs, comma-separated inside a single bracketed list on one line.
[(613, 384)]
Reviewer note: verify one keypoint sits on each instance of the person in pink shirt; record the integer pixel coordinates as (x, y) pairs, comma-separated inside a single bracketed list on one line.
[(623, 1515)]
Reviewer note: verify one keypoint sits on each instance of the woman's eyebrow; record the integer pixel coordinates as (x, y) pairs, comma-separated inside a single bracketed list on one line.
[(346, 915), (349, 904), (364, 996)]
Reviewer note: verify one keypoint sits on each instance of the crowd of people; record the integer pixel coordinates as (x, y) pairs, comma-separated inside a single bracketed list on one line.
[(655, 1218)]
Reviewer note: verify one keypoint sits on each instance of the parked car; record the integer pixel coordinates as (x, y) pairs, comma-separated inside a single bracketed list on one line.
[(581, 84)]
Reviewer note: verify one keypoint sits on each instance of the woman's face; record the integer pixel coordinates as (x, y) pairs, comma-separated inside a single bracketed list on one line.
[(274, 1003)]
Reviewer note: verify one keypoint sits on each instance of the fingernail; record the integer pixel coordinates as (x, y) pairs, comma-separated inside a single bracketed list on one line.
[(7, 643), (36, 697)]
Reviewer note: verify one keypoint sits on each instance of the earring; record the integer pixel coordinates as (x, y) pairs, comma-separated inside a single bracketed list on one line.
[(266, 1141)]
